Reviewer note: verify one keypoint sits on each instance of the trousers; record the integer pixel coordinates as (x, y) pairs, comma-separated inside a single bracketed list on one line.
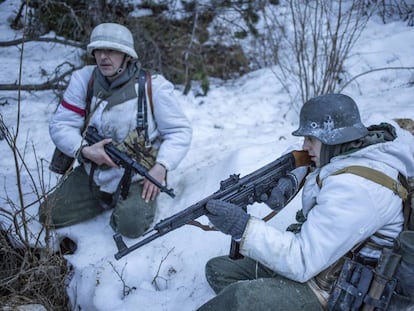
[(76, 200), (246, 285)]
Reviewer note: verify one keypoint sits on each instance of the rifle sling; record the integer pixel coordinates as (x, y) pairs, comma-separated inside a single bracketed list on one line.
[(149, 90), (375, 176), (142, 117), (399, 187), (201, 226)]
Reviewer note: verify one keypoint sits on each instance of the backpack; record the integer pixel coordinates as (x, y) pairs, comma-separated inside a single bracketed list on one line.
[(62, 163)]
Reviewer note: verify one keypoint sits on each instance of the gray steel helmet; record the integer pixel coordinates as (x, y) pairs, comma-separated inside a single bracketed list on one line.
[(332, 118), (113, 37)]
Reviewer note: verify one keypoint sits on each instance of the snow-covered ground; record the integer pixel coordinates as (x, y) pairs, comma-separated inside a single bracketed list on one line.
[(238, 127)]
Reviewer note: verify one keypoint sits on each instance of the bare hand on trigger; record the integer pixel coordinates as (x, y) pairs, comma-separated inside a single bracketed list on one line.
[(97, 154)]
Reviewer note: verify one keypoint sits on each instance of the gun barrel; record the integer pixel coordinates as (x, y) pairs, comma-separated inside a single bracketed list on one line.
[(163, 227)]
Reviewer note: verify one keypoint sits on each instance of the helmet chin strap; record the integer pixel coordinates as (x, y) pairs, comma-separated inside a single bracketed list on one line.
[(121, 68)]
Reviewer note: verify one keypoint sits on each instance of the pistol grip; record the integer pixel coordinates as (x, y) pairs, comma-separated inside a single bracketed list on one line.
[(235, 250)]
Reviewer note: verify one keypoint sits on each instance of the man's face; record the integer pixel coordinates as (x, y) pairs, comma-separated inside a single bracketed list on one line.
[(109, 62), (313, 147)]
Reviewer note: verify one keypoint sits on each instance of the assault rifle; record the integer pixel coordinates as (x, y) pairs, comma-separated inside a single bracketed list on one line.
[(255, 187), (123, 159)]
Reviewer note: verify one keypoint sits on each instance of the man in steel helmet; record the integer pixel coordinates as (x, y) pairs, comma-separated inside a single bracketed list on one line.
[(290, 270), (98, 184), (329, 121)]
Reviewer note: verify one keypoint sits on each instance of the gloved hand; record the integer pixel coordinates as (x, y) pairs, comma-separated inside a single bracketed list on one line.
[(282, 192), (227, 217)]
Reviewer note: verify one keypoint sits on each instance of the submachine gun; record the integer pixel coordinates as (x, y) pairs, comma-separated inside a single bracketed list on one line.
[(123, 159), (255, 187)]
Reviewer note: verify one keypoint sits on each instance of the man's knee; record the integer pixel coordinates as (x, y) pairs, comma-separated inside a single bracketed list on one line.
[(235, 297), (217, 271), (131, 219), (67, 206), (215, 264)]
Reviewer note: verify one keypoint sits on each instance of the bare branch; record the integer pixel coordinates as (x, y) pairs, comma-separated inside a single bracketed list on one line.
[(322, 36), (42, 39), (55, 83), (371, 71)]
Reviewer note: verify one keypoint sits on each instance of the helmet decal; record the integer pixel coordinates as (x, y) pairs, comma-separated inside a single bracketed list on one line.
[(328, 124), (314, 125)]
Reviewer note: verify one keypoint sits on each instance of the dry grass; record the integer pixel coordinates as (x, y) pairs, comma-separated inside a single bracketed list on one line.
[(31, 276)]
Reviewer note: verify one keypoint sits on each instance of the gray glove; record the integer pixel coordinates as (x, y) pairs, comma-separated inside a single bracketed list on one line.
[(282, 192), (227, 217)]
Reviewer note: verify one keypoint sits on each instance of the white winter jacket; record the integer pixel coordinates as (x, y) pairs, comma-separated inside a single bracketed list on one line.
[(168, 128), (345, 211)]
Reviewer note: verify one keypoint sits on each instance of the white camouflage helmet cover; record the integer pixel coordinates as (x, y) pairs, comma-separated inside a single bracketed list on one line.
[(112, 36)]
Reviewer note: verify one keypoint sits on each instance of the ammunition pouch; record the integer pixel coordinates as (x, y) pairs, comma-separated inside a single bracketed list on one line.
[(60, 163), (137, 148), (386, 285), (353, 285), (405, 273), (327, 278)]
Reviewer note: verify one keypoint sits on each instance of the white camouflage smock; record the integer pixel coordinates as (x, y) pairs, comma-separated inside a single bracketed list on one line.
[(170, 132), (345, 211)]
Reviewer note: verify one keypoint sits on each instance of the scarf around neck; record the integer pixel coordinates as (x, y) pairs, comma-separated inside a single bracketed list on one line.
[(377, 134)]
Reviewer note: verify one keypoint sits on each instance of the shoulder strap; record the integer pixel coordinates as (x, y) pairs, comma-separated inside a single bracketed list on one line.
[(375, 176), (146, 77), (142, 122), (89, 94), (149, 89), (399, 187), (142, 100)]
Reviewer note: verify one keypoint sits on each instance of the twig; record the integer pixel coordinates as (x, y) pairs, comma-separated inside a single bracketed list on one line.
[(154, 280), (126, 290)]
